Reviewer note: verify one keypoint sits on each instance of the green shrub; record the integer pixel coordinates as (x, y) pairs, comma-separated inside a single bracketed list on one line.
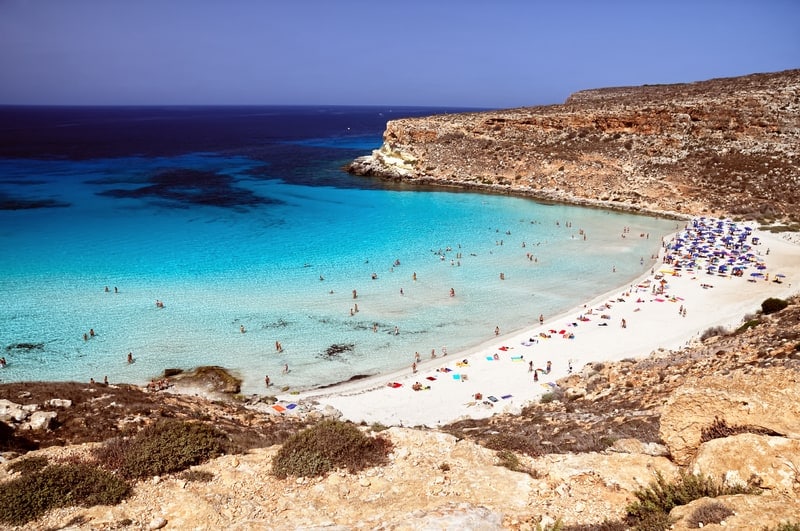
[(708, 513), (30, 496), (656, 501), (750, 323), (163, 448), (509, 459), (547, 398), (785, 526), (199, 476), (28, 465), (712, 332), (326, 446), (773, 305)]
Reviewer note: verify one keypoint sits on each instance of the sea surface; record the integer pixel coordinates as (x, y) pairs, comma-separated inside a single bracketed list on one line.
[(242, 223)]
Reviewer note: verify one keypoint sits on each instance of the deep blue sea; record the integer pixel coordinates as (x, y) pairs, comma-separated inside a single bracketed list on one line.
[(242, 218)]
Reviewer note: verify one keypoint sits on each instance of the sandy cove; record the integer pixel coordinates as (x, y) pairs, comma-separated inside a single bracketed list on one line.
[(499, 372)]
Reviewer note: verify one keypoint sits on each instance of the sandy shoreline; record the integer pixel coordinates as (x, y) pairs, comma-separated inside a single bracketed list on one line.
[(505, 382)]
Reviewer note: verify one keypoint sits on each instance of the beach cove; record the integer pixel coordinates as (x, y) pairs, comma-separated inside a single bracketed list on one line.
[(661, 311)]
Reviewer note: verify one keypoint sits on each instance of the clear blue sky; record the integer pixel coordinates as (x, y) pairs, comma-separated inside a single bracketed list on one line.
[(493, 53)]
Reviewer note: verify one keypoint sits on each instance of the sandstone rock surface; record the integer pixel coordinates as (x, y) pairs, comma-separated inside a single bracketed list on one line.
[(764, 399)]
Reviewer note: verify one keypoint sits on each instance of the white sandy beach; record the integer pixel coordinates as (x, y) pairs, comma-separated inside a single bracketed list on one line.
[(506, 384)]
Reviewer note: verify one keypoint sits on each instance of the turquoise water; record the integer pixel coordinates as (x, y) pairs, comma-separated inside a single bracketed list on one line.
[(260, 266)]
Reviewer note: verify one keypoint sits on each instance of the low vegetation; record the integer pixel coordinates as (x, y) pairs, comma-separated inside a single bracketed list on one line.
[(32, 494), (708, 513), (773, 305), (785, 526), (653, 503), (720, 429), (327, 446), (162, 448)]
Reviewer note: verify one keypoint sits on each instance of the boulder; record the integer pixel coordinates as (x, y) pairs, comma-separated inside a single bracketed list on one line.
[(764, 399), (770, 462), (12, 412), (59, 402), (41, 420)]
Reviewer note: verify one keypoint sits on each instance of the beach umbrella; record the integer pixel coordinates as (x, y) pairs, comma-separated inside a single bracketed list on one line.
[(756, 275), (780, 275)]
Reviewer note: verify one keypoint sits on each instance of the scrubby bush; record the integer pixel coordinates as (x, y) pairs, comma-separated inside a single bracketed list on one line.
[(708, 513), (162, 448), (653, 504), (199, 476), (30, 496), (28, 465), (773, 305), (719, 429), (509, 460), (326, 446), (748, 324), (547, 398), (785, 526), (712, 332)]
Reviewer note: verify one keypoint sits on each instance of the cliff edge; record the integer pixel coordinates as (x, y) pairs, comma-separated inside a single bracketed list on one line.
[(718, 147)]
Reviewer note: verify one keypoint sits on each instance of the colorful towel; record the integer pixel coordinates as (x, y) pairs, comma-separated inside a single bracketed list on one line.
[(505, 397), (431, 378), (291, 406), (279, 408), (394, 385)]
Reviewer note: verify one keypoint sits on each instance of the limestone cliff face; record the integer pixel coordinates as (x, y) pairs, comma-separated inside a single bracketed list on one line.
[(723, 147)]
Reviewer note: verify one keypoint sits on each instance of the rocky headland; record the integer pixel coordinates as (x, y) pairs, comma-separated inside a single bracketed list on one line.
[(719, 147), (724, 407)]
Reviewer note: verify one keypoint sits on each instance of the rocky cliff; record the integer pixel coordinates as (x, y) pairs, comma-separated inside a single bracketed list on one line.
[(722, 147)]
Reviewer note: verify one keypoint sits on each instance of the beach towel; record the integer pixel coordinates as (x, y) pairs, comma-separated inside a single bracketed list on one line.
[(431, 378), (446, 369), (527, 343), (291, 406), (503, 348), (279, 408), (489, 358), (506, 397), (456, 377), (394, 385), (492, 398), (517, 358)]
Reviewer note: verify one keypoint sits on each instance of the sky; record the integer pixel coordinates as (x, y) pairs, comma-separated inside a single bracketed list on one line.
[(465, 53)]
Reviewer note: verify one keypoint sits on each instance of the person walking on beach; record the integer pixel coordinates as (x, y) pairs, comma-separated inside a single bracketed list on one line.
[(541, 319), (267, 382), (497, 330)]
